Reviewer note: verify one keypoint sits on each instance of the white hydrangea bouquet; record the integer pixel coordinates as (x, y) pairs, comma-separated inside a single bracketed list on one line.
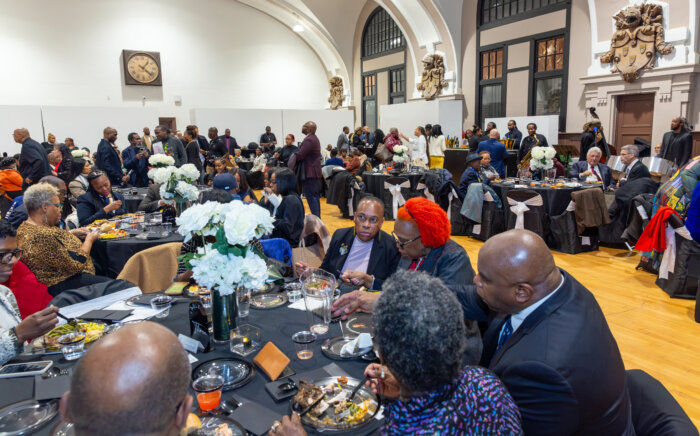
[(176, 184), (79, 154), (400, 153), (161, 161), (542, 158)]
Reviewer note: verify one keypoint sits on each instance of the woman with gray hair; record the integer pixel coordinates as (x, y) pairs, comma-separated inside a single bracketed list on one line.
[(420, 337), (57, 257)]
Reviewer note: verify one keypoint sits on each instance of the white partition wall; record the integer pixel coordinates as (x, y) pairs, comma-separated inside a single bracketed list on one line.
[(15, 117), (547, 125), (247, 125), (407, 116), (329, 123), (86, 124)]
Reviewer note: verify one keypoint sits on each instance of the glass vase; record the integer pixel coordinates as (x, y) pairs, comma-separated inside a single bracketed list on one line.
[(224, 314)]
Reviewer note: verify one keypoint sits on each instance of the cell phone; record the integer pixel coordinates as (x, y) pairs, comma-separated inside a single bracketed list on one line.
[(25, 369)]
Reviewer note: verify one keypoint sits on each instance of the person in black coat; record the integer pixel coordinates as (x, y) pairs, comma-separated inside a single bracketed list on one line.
[(288, 149), (170, 145), (99, 202), (547, 340), (514, 134), (289, 217), (533, 139), (471, 174), (33, 161), (591, 169), (633, 168), (135, 158), (108, 158), (192, 149), (362, 255), (677, 145), (593, 136)]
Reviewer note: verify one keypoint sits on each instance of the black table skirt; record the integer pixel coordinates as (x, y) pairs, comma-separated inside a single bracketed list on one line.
[(374, 182), (246, 165), (131, 200), (110, 256), (555, 201), (276, 325)]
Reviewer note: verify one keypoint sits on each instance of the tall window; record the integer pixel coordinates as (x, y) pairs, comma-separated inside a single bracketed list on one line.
[(397, 86), (491, 96), (549, 76), (381, 34), (369, 101), (493, 10)]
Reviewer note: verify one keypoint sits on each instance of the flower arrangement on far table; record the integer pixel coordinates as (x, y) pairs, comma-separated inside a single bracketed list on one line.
[(400, 153), (176, 184), (542, 158), (80, 154)]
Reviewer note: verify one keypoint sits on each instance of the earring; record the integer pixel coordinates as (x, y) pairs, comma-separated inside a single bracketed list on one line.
[(46, 220)]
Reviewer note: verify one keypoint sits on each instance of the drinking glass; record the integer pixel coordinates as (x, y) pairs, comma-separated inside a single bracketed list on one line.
[(208, 390), (303, 344), (167, 227), (245, 340), (317, 287), (162, 304), (72, 345), (140, 217), (243, 300), (157, 218), (293, 291)]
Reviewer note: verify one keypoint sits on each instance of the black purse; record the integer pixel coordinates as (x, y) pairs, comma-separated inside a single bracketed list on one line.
[(299, 168)]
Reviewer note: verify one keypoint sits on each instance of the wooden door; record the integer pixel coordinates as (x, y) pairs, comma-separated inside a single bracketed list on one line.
[(635, 117), (168, 122)]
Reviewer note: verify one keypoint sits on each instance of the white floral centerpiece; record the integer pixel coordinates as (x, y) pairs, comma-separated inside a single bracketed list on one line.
[(176, 184), (228, 260), (161, 161), (542, 158), (80, 154), (400, 153)]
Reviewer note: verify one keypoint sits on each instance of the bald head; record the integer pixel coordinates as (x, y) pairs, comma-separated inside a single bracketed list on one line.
[(309, 127), (132, 381), (110, 134), (516, 269), (20, 135), (493, 134)]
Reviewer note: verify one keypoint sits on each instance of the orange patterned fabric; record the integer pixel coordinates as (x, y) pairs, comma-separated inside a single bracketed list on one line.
[(431, 220)]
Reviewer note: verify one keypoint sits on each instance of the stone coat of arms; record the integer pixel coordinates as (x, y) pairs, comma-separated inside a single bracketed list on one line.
[(337, 97), (433, 77), (638, 37)]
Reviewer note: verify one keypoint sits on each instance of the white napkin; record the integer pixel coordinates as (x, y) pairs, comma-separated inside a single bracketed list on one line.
[(363, 342)]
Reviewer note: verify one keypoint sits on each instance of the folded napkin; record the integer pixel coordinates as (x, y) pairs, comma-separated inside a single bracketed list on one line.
[(271, 360), (362, 342)]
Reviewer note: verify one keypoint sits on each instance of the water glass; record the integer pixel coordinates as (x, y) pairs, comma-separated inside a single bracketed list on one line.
[(317, 287), (162, 304), (167, 227), (140, 217), (243, 300), (208, 391), (293, 290), (72, 345), (303, 343), (157, 218)]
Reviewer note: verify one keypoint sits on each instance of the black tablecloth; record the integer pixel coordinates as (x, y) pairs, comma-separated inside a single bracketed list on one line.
[(276, 325), (554, 201), (131, 200), (110, 256), (374, 182), (245, 164)]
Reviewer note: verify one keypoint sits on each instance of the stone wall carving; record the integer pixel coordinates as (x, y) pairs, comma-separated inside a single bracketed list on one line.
[(337, 97), (433, 77)]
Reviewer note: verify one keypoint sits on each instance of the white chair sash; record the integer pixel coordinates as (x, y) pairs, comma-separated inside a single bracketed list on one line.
[(452, 195), (488, 196), (422, 188), (668, 262), (520, 207), (571, 207), (397, 199)]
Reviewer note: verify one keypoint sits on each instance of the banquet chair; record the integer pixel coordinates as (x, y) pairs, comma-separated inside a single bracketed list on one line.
[(392, 195), (277, 248), (565, 237), (491, 219), (526, 211), (654, 410), (313, 242), (459, 224), (152, 269)]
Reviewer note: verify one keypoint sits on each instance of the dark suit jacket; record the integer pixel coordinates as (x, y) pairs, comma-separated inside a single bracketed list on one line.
[(217, 148), (33, 162), (310, 154), (150, 201), (192, 150), (233, 142), (382, 259), (638, 171), (528, 142), (91, 208), (469, 176), (138, 168), (677, 148), (561, 366), (516, 135), (289, 220), (450, 263), (109, 162), (176, 149), (582, 166)]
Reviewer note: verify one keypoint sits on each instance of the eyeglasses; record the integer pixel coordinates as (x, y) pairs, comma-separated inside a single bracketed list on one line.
[(58, 205), (7, 256), (363, 218), (403, 244)]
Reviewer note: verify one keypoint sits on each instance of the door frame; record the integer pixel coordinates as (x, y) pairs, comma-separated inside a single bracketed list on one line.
[(616, 114)]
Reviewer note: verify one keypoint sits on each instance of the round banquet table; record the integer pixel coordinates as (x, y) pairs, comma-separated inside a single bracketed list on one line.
[(131, 200), (374, 182), (110, 255), (276, 326), (554, 200)]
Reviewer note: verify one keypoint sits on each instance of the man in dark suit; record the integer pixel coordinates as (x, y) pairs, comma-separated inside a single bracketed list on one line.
[(99, 202), (33, 161), (231, 143), (547, 340), (170, 145), (310, 154), (591, 169), (533, 139), (217, 147), (108, 159), (677, 145), (514, 134), (470, 175), (497, 150), (135, 158), (634, 168), (363, 255)]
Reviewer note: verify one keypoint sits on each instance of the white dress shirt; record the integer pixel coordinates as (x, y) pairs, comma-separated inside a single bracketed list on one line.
[(592, 177), (418, 147)]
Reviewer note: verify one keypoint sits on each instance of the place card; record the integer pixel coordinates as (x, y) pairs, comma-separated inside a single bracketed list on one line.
[(189, 344)]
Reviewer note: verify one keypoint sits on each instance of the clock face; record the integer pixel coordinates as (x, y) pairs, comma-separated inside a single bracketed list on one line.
[(143, 68)]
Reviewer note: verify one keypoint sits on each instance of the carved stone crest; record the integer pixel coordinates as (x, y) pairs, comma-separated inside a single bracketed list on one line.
[(433, 77), (638, 37), (337, 97)]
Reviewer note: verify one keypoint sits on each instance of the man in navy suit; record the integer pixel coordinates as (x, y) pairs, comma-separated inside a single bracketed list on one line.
[(591, 169), (135, 158), (108, 158), (497, 150), (471, 175), (33, 161), (547, 340), (634, 168)]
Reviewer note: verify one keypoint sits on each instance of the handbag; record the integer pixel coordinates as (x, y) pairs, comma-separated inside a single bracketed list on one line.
[(299, 168), (383, 153)]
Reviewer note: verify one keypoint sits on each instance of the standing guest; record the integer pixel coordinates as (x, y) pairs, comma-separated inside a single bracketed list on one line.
[(591, 169), (65, 163), (343, 140), (147, 139), (497, 150), (490, 126), (178, 135), (70, 144), (244, 190), (326, 153), (133, 381), (268, 138), (356, 140), (14, 331), (514, 134), (287, 150), (192, 149), (33, 159), (593, 136), (487, 171), (533, 139), (633, 167), (471, 175), (218, 147), (367, 137), (10, 179), (230, 142), (677, 145), (202, 142), (289, 214), (310, 154), (50, 143), (79, 183), (476, 138), (392, 139), (57, 257), (99, 202), (419, 145), (171, 146), (334, 160), (436, 147), (108, 159), (135, 158)]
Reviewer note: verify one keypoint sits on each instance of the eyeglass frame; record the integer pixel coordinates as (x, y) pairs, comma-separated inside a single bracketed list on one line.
[(58, 205), (358, 216), (403, 244), (14, 253)]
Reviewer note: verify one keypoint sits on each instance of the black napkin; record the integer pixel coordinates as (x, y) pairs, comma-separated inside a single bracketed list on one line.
[(255, 418), (51, 388), (106, 315)]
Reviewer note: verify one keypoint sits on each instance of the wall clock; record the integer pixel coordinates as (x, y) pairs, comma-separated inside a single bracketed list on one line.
[(142, 68)]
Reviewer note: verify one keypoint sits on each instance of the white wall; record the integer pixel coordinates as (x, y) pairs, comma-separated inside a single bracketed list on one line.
[(214, 53), (407, 116), (15, 117)]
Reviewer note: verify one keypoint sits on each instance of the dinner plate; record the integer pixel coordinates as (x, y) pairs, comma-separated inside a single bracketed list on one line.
[(331, 348), (364, 394), (26, 416), (359, 323), (37, 346), (236, 372), (211, 422), (268, 301)]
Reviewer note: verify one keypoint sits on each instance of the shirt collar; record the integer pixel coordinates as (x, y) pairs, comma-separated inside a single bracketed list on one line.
[(632, 164), (517, 319)]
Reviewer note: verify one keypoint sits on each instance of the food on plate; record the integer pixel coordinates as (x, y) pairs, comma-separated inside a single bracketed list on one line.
[(92, 330), (114, 234), (343, 380), (308, 394), (223, 430), (334, 409)]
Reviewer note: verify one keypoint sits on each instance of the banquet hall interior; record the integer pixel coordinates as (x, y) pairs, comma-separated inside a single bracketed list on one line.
[(506, 190)]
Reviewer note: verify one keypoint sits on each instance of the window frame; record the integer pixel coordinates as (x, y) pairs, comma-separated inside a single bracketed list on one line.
[(401, 94), (363, 49), (539, 75), (367, 98), (553, 5), (488, 82)]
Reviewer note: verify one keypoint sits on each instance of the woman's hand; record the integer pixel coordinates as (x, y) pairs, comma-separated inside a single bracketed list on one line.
[(80, 233), (37, 324), (111, 207), (382, 381), (92, 236), (357, 278), (300, 268)]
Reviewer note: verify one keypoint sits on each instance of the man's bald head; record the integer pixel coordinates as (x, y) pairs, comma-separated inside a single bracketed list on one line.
[(132, 381), (20, 135), (309, 127), (110, 134), (369, 217), (516, 269), (493, 134), (56, 182)]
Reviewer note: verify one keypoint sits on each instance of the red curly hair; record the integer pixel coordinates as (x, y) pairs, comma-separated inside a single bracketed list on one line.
[(431, 220)]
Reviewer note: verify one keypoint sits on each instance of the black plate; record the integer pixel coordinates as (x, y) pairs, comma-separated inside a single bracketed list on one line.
[(236, 372)]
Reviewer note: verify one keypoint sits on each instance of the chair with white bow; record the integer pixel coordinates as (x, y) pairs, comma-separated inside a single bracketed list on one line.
[(459, 224), (393, 197), (491, 220), (679, 270), (526, 211), (565, 237)]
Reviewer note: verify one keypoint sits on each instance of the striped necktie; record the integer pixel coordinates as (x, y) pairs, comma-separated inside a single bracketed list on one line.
[(506, 333)]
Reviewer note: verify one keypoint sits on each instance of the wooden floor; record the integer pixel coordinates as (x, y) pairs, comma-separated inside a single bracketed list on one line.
[(654, 332)]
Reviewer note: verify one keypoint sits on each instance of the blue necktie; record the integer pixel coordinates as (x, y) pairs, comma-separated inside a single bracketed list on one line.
[(506, 333)]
